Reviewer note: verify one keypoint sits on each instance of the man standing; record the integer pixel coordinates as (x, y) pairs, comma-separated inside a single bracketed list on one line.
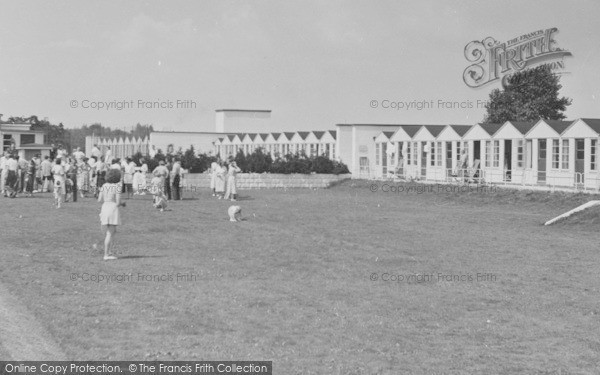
[(108, 156), (176, 180), (12, 177), (3, 173), (46, 168), (96, 152)]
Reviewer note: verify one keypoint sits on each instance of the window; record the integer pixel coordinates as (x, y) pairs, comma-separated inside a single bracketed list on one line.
[(488, 155), (496, 150), (565, 154), (438, 161), (555, 154), (529, 153), (332, 152), (415, 153), (408, 153), (593, 155), (377, 153), (432, 154), (520, 153)]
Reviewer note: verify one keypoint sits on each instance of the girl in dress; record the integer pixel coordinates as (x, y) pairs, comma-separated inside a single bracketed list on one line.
[(221, 174), (83, 177), (231, 181), (213, 177), (30, 179), (110, 194), (59, 175)]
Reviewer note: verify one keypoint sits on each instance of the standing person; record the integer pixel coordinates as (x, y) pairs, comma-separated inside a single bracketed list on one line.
[(23, 166), (110, 195), (46, 168), (83, 177), (161, 172), (96, 152), (30, 179), (169, 166), (12, 178), (101, 169), (3, 173), (221, 173), (176, 178), (231, 181), (78, 155), (129, 170), (108, 156), (58, 172), (38, 173), (139, 182), (213, 177)]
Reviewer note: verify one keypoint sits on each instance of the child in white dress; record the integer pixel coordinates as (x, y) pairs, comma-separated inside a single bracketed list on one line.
[(110, 194)]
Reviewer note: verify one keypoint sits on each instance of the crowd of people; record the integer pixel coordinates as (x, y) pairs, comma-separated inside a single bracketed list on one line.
[(101, 176)]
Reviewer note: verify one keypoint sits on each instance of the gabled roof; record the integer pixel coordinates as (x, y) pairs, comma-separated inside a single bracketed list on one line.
[(276, 135), (411, 130), (434, 129), (251, 136), (593, 123), (303, 135), (333, 134), (523, 126), (491, 128), (461, 129), (388, 134), (559, 126), (263, 136), (289, 135), (318, 134), (231, 136)]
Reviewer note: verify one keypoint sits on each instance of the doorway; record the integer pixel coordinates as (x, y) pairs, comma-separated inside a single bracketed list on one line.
[(541, 161)]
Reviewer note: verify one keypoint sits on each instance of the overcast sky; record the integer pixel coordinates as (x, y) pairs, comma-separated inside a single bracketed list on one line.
[(313, 63)]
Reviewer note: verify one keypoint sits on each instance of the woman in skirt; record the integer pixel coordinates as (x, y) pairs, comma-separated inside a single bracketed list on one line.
[(110, 194)]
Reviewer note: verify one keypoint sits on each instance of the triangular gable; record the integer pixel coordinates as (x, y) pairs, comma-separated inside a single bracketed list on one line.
[(383, 137), (543, 130), (318, 134), (461, 130), (491, 128), (231, 137), (303, 135), (581, 129), (448, 134), (423, 135), (289, 135), (435, 129), (476, 133), (508, 131), (333, 133), (263, 136), (593, 123)]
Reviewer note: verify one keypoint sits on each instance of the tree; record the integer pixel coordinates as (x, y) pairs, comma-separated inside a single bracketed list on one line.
[(528, 96)]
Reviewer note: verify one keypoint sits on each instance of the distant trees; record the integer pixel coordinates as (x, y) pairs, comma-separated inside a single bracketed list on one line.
[(529, 95)]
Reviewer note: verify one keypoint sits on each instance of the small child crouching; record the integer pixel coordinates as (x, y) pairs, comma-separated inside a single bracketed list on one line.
[(159, 199), (235, 213)]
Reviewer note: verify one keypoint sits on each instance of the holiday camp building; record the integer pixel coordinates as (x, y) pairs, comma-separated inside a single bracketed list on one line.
[(19, 137), (538, 153), (546, 152)]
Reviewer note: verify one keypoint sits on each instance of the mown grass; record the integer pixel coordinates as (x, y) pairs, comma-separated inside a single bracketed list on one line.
[(292, 282)]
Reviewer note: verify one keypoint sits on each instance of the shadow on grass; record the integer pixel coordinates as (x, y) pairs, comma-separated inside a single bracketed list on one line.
[(140, 256)]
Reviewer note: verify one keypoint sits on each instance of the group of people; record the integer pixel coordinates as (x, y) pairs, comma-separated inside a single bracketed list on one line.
[(223, 179), (19, 175)]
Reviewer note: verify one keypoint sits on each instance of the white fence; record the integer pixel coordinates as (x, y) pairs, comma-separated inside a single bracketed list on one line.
[(539, 180)]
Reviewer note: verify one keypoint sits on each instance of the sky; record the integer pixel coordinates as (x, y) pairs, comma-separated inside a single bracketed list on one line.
[(313, 63)]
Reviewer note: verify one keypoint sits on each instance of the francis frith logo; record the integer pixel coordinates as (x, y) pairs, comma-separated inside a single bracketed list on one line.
[(492, 60)]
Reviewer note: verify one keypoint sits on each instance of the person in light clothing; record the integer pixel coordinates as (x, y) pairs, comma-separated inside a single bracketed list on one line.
[(110, 195), (59, 175), (221, 175), (213, 177), (231, 181), (139, 182)]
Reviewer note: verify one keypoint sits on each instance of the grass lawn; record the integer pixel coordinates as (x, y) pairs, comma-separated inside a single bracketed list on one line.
[(293, 283)]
